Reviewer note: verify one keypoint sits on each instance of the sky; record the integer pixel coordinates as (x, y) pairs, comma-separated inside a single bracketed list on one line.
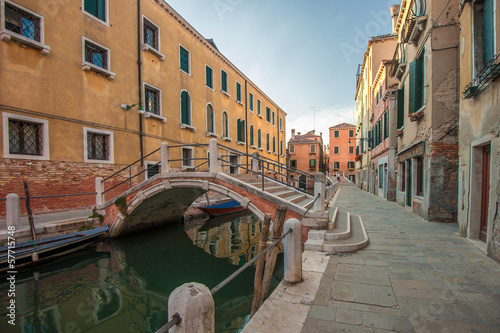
[(303, 54)]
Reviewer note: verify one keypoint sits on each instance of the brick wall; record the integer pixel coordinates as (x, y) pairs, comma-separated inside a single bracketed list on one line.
[(56, 178)]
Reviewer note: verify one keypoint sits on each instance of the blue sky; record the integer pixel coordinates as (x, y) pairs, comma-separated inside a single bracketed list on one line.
[(303, 54)]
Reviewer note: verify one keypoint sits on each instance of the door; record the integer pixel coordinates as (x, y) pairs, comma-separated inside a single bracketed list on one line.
[(408, 183), (485, 193), (233, 162), (302, 182)]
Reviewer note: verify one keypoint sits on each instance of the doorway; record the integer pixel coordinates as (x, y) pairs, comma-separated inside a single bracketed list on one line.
[(408, 183), (485, 193)]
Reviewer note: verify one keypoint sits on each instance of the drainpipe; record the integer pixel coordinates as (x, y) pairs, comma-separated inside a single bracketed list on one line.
[(139, 69)]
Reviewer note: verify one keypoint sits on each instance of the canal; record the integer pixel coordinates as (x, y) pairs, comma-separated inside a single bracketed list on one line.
[(122, 285)]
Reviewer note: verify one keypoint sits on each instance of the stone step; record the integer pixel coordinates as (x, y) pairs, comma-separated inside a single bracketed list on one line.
[(342, 227), (245, 176), (284, 193), (272, 188), (332, 216), (358, 239), (296, 198), (305, 203)]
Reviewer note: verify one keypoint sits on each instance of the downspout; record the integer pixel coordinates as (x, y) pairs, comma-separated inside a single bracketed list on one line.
[(139, 69), (246, 120)]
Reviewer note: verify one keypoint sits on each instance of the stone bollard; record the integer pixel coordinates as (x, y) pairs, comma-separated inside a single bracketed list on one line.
[(165, 164), (319, 188), (293, 251), (99, 188), (213, 153), (255, 162), (13, 211), (195, 305)]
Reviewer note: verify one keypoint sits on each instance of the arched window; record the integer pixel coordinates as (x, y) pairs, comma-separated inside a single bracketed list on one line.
[(240, 130), (185, 108), (292, 149), (259, 139), (225, 126), (313, 148), (210, 119), (251, 136), (268, 143)]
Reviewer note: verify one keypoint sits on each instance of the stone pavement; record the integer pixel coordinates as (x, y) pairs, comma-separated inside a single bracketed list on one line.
[(414, 276)]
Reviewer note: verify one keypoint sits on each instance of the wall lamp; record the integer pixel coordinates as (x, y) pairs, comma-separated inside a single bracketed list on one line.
[(128, 107)]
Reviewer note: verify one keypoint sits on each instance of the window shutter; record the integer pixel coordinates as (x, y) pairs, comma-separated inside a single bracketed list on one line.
[(185, 107), (488, 31), (416, 85), (401, 108)]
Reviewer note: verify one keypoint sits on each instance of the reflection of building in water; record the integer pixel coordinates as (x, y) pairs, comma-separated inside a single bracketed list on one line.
[(236, 239)]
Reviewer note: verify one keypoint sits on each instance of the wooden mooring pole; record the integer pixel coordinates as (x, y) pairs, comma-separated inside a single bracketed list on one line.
[(257, 283), (28, 209)]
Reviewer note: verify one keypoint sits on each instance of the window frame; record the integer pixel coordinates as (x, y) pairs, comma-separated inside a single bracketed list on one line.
[(291, 149), (312, 149), (250, 102), (191, 161), (6, 34), (351, 133), (182, 47), (251, 135), (259, 104), (111, 156), (87, 66), (240, 131), (336, 149), (336, 165), (45, 137), (212, 132), (336, 134), (188, 125), (106, 9), (148, 47), (225, 126), (148, 114), (224, 82), (238, 93), (211, 77), (268, 114), (351, 149), (148, 164)]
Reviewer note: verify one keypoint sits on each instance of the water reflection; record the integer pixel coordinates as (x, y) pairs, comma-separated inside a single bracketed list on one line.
[(123, 285)]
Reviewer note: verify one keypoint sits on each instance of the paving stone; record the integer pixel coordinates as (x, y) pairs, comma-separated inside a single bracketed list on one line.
[(322, 312), (320, 326), (377, 320), (349, 317)]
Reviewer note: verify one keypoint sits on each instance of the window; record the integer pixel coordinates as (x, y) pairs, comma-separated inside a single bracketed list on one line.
[(281, 124), (209, 77), (312, 149), (96, 8), (184, 62), (185, 108), (151, 34), (336, 150), (274, 144), (98, 145), (25, 137), (268, 144), (238, 92), (258, 107), (240, 130), (259, 139), (336, 165), (273, 118), (402, 180), (152, 169), (484, 34), (336, 134), (401, 108), (268, 114), (292, 149), (381, 176), (250, 101), (351, 133), (223, 81), (281, 147), (351, 149), (350, 165), (386, 125), (24, 25), (251, 136), (187, 157), (210, 119), (96, 57), (312, 163), (293, 164), (225, 125), (417, 81), (420, 176), (152, 100)]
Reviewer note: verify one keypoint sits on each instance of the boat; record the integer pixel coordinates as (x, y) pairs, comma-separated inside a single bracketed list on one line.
[(15, 256), (229, 207)]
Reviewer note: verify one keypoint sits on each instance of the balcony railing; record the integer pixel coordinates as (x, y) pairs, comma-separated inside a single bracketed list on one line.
[(484, 79)]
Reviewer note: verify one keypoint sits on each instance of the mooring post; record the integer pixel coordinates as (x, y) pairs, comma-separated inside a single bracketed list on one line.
[(319, 188), (165, 164), (13, 211), (293, 251), (213, 151), (195, 305), (99, 189)]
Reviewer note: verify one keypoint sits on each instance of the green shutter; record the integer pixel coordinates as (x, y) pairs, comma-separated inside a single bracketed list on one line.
[(223, 81), (185, 108), (209, 77), (251, 136), (488, 31), (386, 125), (401, 108), (416, 84)]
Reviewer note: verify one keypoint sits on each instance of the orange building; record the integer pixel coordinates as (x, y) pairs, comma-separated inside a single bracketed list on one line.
[(305, 153), (342, 150)]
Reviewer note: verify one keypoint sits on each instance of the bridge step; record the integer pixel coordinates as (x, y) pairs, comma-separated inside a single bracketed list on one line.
[(305, 203)]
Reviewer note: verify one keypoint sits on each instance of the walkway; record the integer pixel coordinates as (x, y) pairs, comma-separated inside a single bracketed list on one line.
[(414, 276)]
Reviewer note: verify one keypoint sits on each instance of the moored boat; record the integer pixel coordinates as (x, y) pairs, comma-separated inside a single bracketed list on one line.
[(229, 207)]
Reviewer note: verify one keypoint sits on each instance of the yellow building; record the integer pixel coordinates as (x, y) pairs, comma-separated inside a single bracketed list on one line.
[(103, 82), (479, 144)]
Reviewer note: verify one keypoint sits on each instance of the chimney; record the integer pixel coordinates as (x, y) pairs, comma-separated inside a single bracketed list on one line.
[(394, 15), (298, 133), (293, 133)]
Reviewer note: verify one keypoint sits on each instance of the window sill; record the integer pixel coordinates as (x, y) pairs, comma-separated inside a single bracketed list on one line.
[(88, 160), (223, 92), (188, 168), (95, 18), (149, 48), (275, 154), (240, 103), (241, 143), (209, 87), (260, 116), (183, 71), (213, 135), (87, 66), (225, 138), (7, 35), (253, 147), (188, 127), (417, 115), (261, 149), (154, 115), (269, 152)]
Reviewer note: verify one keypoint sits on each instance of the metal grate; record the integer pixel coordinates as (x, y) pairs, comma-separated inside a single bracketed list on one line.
[(22, 22), (97, 146), (25, 137), (96, 55), (152, 99), (151, 35)]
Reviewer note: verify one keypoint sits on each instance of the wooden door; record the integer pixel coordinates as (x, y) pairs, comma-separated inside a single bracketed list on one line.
[(485, 193), (408, 182)]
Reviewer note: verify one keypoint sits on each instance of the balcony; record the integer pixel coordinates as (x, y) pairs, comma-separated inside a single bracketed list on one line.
[(484, 79)]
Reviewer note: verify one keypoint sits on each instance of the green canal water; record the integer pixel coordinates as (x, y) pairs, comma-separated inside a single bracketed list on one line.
[(122, 285)]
